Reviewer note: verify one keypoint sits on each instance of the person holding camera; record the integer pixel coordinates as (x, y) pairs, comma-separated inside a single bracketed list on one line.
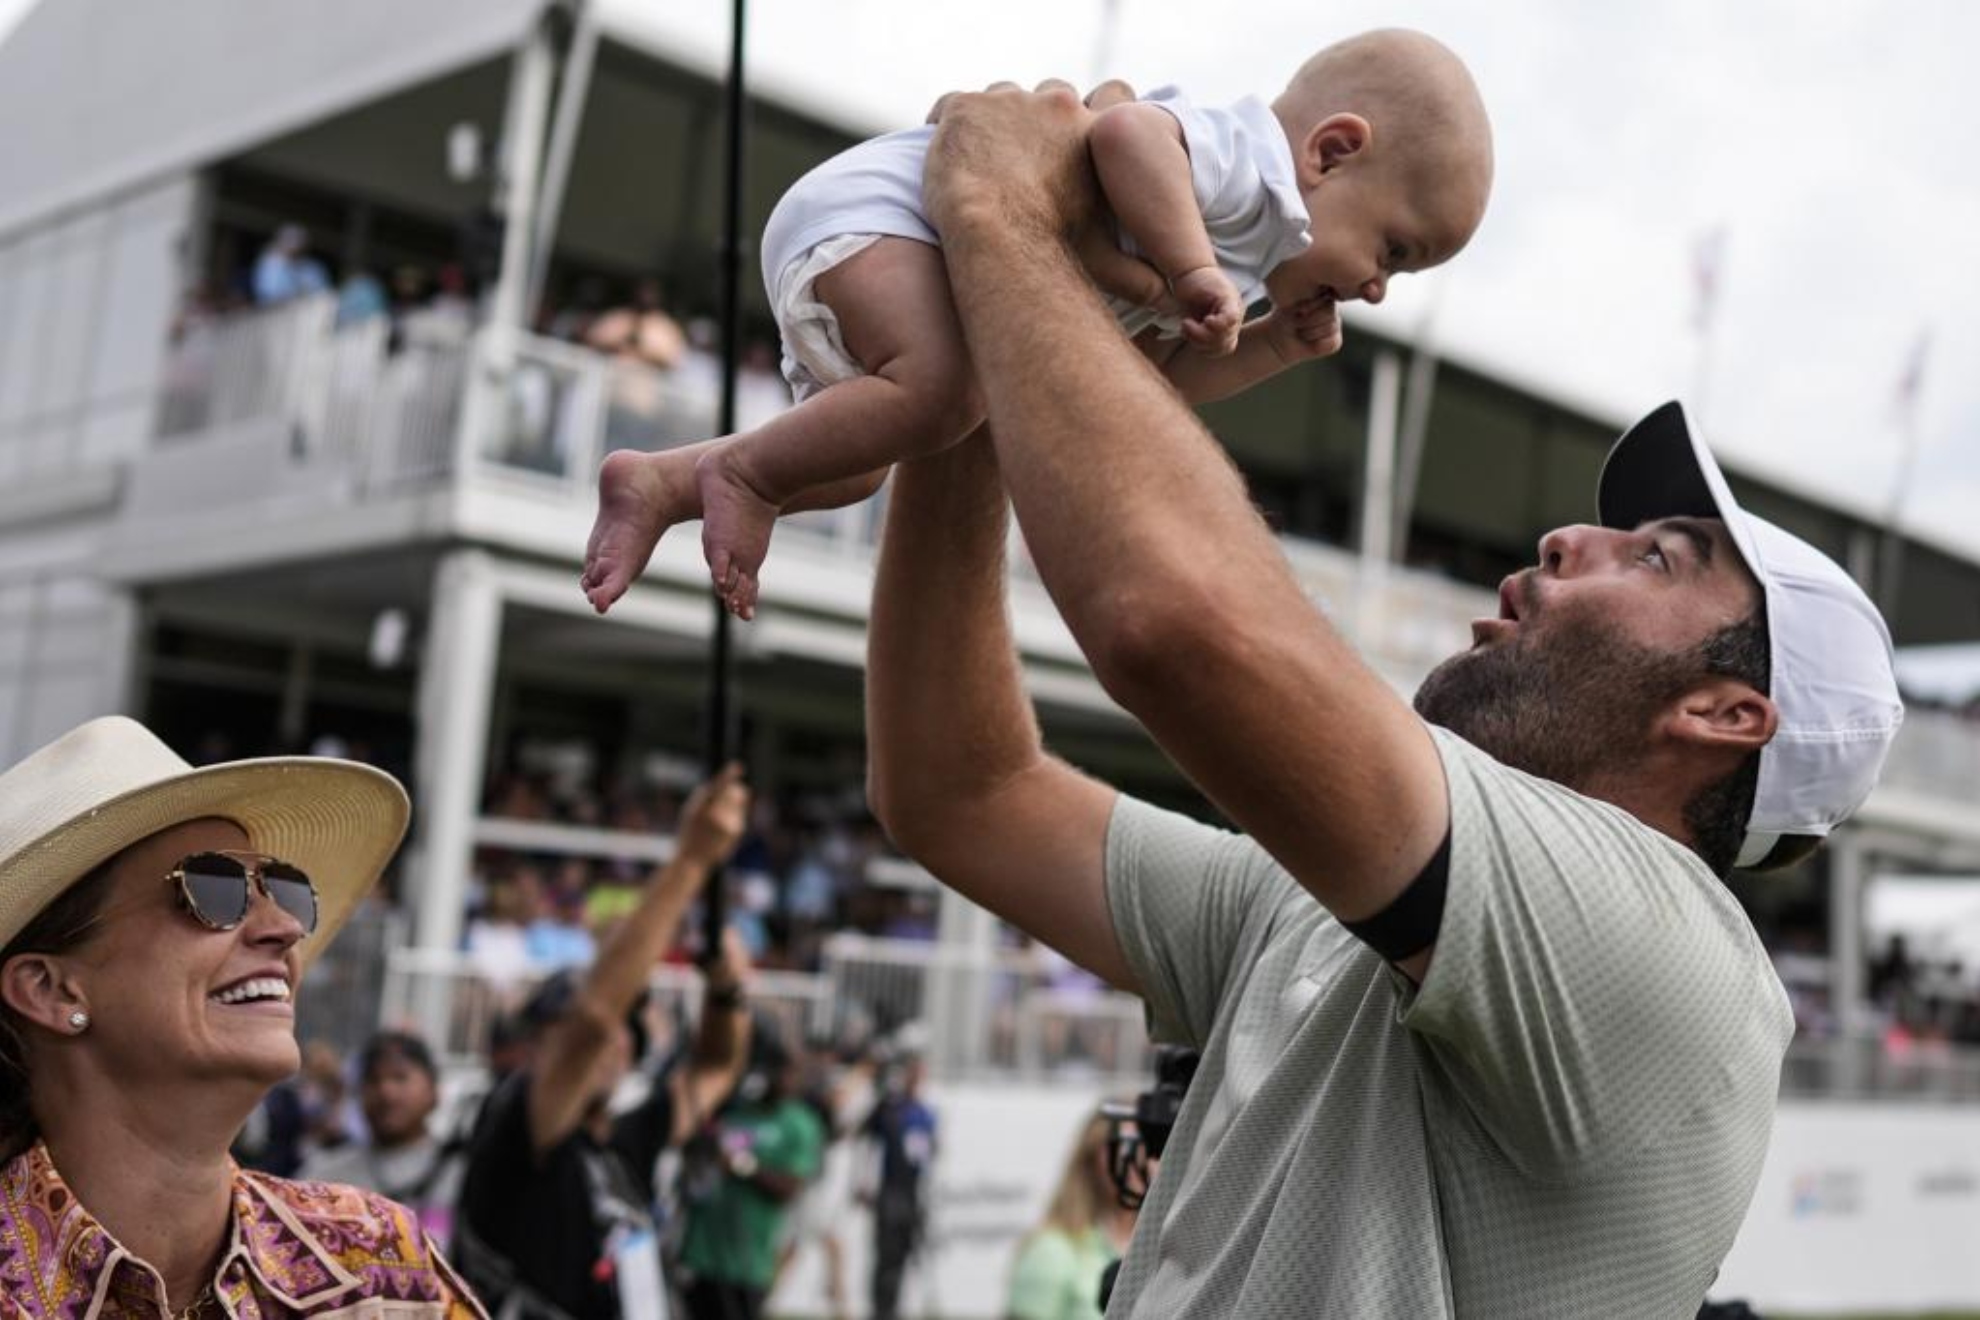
[(1061, 1262)]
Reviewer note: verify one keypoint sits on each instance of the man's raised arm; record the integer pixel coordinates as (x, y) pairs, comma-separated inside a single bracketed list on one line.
[(1143, 532), (958, 775)]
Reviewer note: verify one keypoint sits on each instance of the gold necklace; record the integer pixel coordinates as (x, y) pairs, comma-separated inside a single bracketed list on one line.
[(197, 1304)]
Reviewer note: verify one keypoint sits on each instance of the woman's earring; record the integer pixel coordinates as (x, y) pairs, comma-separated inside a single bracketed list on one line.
[(79, 1021)]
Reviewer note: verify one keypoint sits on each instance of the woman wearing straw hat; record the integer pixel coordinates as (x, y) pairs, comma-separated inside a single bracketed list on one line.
[(154, 922)]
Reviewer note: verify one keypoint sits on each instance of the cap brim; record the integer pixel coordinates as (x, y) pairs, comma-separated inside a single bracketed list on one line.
[(339, 821), (1661, 469)]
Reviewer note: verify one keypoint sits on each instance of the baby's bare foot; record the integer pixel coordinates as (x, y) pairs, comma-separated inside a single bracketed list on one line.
[(639, 497), (736, 523)]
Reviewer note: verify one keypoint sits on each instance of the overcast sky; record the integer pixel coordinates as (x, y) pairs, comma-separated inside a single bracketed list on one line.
[(1834, 144), (1837, 145)]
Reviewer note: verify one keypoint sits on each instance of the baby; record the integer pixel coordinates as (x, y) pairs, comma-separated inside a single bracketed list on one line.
[(1374, 161)]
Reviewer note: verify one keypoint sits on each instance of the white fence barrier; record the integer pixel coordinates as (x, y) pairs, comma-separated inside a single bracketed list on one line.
[(996, 1014), (1860, 1209), (1863, 1208)]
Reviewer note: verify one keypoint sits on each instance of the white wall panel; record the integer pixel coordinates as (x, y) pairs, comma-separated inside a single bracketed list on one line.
[(23, 351), (141, 261), (116, 430), (69, 310)]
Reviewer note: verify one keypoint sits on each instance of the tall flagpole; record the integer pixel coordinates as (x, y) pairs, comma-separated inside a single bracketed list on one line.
[(719, 739), (1708, 259), (1890, 561)]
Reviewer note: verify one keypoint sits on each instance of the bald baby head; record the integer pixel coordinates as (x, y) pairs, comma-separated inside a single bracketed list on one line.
[(1425, 123)]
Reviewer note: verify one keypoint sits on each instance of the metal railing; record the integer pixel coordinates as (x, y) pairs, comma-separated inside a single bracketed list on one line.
[(457, 1003), (1870, 1068), (243, 366), (979, 1014), (1936, 752), (384, 408)]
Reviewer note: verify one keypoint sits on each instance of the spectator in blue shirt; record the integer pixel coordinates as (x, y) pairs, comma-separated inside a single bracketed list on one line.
[(285, 270)]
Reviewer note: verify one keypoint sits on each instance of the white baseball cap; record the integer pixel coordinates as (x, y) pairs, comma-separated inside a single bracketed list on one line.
[(1831, 676)]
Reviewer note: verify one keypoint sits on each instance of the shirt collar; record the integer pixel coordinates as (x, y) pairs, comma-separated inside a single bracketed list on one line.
[(71, 1255)]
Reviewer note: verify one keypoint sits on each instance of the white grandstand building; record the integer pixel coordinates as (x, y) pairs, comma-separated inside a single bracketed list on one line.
[(262, 529)]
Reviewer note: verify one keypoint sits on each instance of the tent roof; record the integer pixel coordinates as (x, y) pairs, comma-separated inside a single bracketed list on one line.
[(100, 95), (97, 96)]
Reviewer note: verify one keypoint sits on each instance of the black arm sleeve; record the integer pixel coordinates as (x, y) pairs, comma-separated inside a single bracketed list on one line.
[(1409, 924)]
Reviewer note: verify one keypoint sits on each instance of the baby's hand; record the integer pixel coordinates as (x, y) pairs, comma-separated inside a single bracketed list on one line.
[(1310, 328), (1211, 310), (1128, 278)]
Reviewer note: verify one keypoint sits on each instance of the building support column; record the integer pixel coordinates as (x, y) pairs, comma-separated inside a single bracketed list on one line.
[(961, 987), (456, 687), (518, 184), (1378, 495), (1847, 863)]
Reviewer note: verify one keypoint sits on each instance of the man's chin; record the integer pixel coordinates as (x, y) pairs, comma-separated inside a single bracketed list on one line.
[(1464, 682)]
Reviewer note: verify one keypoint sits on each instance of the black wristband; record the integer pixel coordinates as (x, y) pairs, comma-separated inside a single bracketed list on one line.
[(725, 996), (1409, 924)]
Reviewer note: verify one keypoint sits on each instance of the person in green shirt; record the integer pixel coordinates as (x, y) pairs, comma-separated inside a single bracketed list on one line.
[(766, 1146), (1085, 1229)]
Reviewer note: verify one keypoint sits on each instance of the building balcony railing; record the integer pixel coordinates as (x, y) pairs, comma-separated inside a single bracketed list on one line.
[(997, 1013), (386, 410)]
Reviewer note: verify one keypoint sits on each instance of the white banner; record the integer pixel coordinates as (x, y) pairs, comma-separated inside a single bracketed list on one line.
[(1859, 1208), (1863, 1208), (1002, 1150)]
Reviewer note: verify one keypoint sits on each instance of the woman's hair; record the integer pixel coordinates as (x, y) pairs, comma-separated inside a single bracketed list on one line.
[(57, 928), (1079, 1201)]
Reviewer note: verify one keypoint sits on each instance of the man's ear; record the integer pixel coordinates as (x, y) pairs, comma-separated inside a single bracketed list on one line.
[(1330, 144), (1728, 714), (37, 989)]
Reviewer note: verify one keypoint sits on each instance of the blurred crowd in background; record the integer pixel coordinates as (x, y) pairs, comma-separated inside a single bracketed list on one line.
[(806, 869), (867, 1140), (660, 354)]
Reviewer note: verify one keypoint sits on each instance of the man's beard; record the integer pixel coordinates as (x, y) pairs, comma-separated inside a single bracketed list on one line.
[(1571, 704)]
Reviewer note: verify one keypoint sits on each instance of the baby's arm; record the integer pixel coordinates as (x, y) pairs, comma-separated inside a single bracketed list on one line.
[(1283, 338), (1143, 167)]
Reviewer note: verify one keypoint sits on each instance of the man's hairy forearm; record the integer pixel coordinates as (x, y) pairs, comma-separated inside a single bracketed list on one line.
[(626, 960), (947, 714), (1101, 516)]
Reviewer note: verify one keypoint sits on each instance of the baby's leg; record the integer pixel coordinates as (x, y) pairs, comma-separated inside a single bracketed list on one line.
[(641, 495), (897, 320)]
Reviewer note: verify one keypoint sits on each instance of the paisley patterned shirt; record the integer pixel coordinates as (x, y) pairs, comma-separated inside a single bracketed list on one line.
[(295, 1249)]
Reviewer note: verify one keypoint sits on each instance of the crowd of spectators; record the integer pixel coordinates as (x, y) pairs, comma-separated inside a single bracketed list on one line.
[(856, 1136), (805, 870), (1924, 1004), (663, 367), (852, 1120), (287, 268), (666, 370)]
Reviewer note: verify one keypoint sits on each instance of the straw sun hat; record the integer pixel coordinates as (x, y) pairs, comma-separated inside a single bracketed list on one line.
[(109, 783)]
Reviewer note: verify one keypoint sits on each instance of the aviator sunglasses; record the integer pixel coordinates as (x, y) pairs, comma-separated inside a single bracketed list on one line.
[(214, 887)]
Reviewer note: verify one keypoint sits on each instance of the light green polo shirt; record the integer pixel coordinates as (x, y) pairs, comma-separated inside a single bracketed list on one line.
[(1057, 1276), (1567, 1119)]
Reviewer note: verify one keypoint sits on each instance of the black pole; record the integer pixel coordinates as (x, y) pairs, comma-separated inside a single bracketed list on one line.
[(720, 737)]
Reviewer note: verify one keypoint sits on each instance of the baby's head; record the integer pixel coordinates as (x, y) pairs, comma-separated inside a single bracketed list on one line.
[(1394, 156)]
